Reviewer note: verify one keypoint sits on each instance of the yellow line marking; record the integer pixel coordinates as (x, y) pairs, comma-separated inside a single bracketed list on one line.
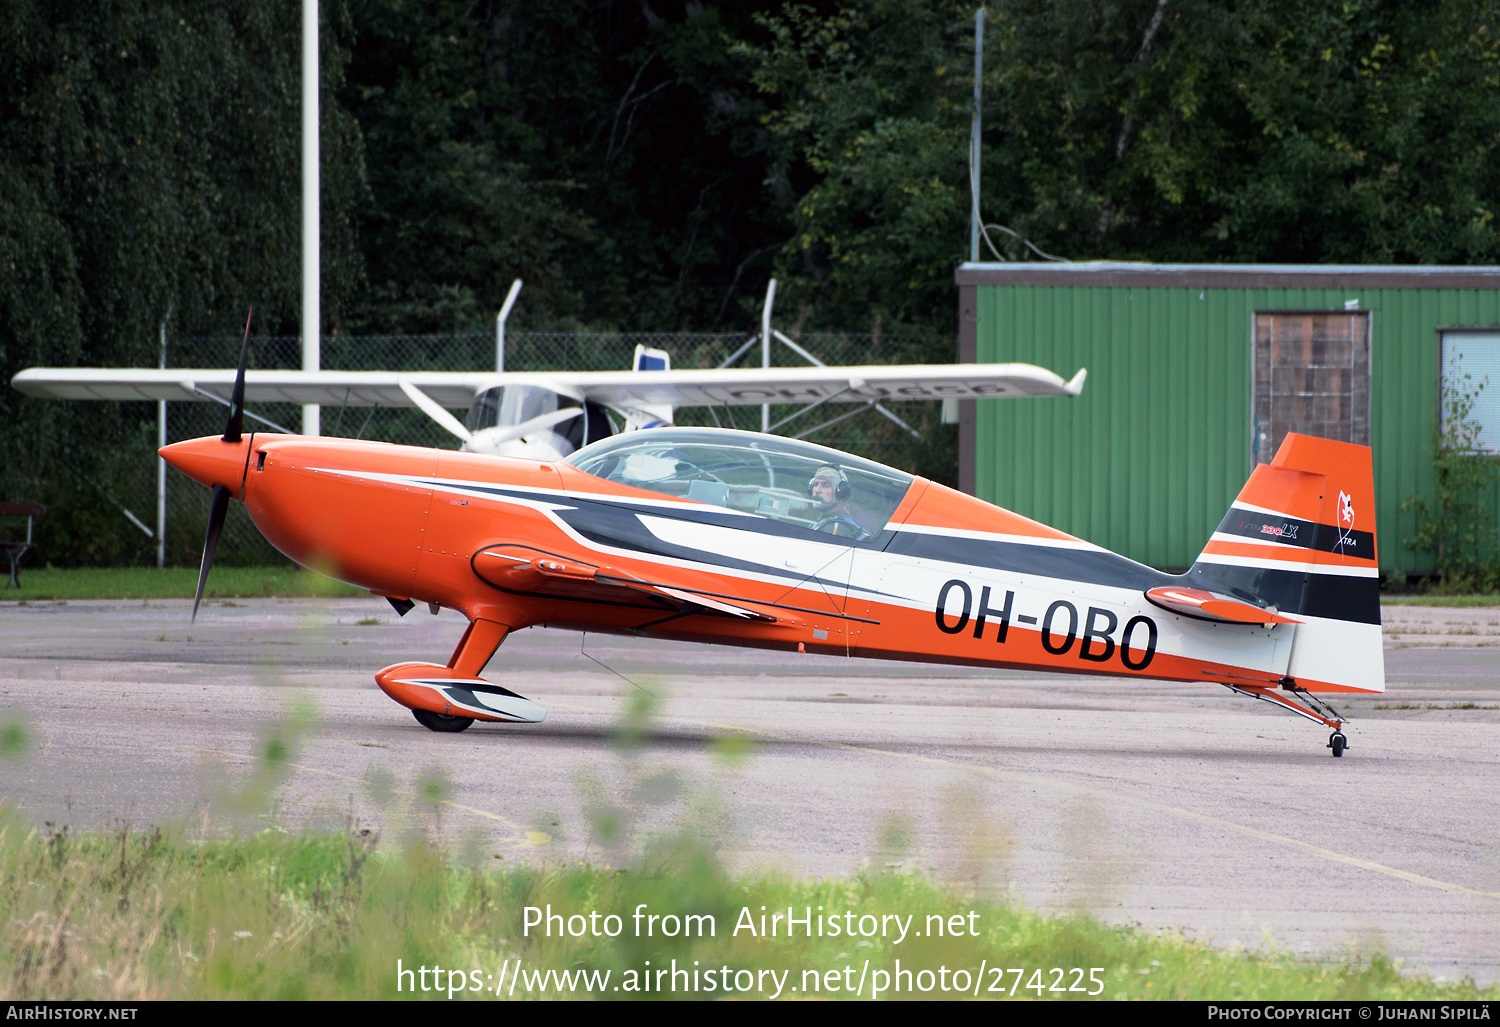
[(1291, 843)]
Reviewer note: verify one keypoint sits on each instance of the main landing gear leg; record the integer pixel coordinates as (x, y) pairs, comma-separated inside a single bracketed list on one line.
[(474, 650)]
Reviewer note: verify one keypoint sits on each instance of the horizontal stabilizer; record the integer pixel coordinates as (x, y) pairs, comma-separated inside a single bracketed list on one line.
[(1205, 605)]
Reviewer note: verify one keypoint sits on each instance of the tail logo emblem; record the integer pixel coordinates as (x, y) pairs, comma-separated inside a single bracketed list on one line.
[(1346, 519)]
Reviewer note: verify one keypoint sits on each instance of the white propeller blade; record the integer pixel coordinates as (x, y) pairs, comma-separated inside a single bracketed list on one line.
[(504, 433), (430, 407)]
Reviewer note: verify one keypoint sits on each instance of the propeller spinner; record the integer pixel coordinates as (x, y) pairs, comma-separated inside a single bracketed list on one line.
[(219, 464)]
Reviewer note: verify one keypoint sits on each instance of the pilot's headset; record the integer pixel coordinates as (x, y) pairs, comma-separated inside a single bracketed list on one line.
[(841, 491)]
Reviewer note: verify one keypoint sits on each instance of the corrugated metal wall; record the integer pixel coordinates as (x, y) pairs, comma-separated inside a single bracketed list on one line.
[(1146, 461)]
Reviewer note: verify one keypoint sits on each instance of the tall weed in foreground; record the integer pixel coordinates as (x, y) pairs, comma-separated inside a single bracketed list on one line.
[(1456, 525), (130, 914)]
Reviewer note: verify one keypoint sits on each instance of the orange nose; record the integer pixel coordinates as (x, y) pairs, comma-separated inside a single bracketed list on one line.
[(210, 461)]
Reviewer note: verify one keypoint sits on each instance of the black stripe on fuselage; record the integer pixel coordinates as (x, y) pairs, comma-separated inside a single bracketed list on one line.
[(617, 524), (703, 514), (620, 528), (1290, 531), (1097, 566), (1333, 596)]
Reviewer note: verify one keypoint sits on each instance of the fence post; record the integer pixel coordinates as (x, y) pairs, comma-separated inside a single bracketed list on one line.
[(312, 268), (765, 348), (510, 301), (974, 135), (161, 465)]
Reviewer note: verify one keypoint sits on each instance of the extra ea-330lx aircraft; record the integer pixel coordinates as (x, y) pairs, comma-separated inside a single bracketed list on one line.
[(749, 539)]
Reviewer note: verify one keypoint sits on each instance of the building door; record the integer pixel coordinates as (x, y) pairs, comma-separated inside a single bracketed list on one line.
[(1311, 376)]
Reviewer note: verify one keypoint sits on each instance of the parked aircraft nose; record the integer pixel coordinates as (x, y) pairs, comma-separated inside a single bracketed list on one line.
[(210, 461)]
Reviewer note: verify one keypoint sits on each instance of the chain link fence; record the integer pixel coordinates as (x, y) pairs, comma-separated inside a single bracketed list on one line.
[(133, 488)]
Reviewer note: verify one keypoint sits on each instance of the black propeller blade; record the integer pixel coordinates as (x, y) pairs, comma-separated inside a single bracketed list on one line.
[(233, 431), (216, 512), (236, 423)]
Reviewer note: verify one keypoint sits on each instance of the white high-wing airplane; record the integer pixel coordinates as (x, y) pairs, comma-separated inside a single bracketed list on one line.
[(548, 414)]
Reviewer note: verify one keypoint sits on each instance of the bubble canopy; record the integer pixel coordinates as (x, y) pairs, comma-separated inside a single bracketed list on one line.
[(748, 472)]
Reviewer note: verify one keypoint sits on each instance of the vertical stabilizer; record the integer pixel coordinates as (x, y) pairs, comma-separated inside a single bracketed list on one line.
[(1301, 537)]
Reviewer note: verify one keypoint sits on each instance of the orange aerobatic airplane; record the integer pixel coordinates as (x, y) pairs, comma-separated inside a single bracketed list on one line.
[(742, 538)]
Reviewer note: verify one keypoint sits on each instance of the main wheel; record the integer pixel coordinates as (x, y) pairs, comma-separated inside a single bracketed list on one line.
[(442, 721), (1338, 743)]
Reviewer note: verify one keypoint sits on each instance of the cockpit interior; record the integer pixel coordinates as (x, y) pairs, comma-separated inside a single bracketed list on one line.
[(751, 473)]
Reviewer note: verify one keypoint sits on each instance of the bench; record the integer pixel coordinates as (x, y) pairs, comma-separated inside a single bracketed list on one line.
[(15, 550)]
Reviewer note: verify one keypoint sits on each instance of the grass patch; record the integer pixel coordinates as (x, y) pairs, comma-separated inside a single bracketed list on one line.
[(1483, 599), (50, 583), (151, 915)]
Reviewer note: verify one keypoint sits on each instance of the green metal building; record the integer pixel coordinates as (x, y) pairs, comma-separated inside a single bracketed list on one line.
[(1197, 371)]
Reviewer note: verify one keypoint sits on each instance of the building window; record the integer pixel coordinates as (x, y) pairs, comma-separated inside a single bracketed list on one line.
[(1471, 364), (1311, 376)]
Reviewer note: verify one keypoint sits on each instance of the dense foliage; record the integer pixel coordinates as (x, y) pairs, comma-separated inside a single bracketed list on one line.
[(149, 172), (648, 164)]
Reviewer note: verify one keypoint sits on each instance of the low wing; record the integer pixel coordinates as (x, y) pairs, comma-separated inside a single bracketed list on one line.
[(457, 389), (521, 569)]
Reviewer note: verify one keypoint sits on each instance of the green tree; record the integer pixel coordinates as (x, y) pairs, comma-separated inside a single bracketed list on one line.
[(607, 154), (870, 119), (1163, 130), (149, 171)]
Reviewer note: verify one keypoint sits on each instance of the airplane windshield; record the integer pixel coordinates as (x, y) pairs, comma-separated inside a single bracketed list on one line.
[(790, 481), (507, 405)]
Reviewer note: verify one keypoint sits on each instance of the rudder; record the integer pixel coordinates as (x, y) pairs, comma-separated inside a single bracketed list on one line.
[(1301, 536)]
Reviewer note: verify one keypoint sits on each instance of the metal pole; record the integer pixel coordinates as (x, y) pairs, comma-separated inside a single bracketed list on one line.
[(510, 301), (974, 135), (312, 314), (765, 348), (161, 465)]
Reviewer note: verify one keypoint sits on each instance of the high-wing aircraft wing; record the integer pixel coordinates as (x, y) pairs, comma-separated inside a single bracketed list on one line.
[(457, 389), (548, 414)]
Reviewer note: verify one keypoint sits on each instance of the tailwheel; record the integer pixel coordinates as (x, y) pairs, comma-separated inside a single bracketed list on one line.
[(442, 721), (1338, 743)]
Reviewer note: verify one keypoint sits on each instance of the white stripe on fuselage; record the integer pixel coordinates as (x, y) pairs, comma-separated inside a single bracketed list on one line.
[(995, 536), (915, 582)]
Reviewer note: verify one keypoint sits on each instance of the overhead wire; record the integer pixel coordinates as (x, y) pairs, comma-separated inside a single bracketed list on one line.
[(984, 228)]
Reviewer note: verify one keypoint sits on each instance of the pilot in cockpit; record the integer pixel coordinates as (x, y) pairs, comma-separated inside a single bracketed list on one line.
[(830, 492)]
